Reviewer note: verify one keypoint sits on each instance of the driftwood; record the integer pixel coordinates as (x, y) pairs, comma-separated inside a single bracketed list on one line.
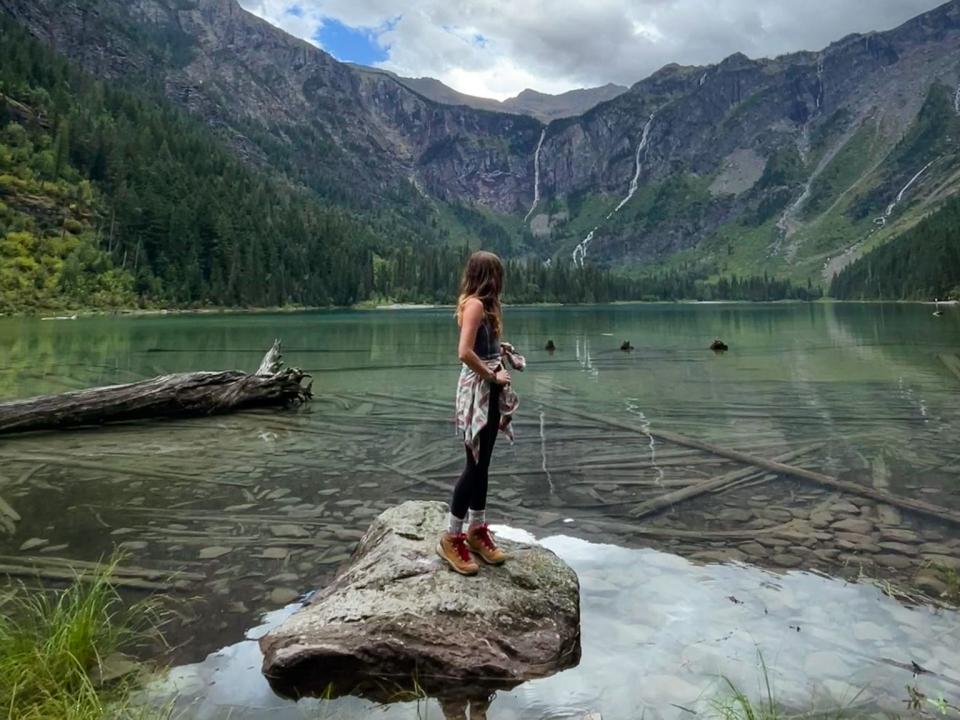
[(178, 395), (917, 506), (64, 574), (115, 571), (658, 504), (952, 361)]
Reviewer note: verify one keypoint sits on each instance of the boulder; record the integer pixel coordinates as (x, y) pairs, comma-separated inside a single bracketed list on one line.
[(396, 616), (929, 582), (902, 548), (723, 555), (900, 535), (844, 507), (860, 526), (857, 542), (943, 561), (889, 515), (787, 560), (891, 560)]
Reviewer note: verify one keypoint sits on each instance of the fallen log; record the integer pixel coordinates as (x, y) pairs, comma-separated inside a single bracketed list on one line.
[(130, 583), (918, 506), (661, 503), (115, 571), (177, 395)]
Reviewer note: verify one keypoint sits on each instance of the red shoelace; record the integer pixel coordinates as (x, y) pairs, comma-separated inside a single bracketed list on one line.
[(459, 543), (483, 533)]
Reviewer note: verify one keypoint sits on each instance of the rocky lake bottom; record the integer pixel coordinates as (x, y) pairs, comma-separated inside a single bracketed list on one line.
[(241, 517)]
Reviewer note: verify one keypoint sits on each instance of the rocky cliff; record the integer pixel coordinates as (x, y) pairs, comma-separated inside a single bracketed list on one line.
[(794, 165), (287, 102)]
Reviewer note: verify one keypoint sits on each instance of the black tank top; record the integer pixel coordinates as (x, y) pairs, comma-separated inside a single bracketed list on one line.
[(487, 344)]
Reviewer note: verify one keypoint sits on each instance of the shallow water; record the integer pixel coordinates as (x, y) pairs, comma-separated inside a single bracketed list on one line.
[(661, 638), (264, 505)]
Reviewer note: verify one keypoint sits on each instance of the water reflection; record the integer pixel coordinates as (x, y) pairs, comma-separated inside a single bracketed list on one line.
[(264, 505), (659, 634), (584, 357)]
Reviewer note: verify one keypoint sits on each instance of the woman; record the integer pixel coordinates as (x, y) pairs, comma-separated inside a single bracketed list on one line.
[(485, 404)]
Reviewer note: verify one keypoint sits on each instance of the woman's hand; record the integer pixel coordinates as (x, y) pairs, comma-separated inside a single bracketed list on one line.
[(502, 377)]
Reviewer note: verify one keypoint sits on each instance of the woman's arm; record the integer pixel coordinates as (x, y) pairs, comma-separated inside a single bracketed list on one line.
[(470, 323)]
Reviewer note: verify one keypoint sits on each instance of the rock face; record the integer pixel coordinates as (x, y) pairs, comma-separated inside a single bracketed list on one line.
[(396, 613), (856, 137)]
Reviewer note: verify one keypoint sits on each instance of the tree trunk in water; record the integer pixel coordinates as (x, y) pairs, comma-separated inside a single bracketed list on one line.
[(178, 395), (905, 503)]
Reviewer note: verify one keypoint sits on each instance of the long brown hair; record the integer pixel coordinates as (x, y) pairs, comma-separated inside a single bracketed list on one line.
[(483, 279)]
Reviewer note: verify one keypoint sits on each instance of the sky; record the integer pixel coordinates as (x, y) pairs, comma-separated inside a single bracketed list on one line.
[(496, 48)]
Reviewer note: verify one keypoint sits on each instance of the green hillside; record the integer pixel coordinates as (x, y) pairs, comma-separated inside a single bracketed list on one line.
[(921, 264), (113, 198)]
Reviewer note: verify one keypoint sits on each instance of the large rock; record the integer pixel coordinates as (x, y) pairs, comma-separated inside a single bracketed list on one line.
[(395, 613)]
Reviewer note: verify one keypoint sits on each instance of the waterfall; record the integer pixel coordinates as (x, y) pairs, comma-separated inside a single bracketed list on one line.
[(634, 183), (819, 84), (833, 265), (785, 224), (703, 79), (906, 187), (580, 251), (536, 175), (956, 101)]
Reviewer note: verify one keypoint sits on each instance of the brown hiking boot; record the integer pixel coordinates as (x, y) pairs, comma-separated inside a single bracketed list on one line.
[(453, 549), (481, 542)]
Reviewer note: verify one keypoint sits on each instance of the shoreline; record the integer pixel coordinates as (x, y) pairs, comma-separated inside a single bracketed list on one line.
[(163, 312)]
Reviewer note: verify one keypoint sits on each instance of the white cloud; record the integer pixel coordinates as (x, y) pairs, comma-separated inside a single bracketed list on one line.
[(555, 46)]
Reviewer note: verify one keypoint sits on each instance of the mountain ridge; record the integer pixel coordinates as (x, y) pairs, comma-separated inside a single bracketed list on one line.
[(542, 106), (786, 165)]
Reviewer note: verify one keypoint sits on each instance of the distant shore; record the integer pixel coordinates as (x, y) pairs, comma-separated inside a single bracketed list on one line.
[(73, 314)]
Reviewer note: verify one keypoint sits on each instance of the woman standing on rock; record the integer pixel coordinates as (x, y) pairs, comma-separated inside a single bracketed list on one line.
[(485, 404)]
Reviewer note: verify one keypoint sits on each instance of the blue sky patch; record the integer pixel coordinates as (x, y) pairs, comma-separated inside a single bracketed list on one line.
[(351, 44)]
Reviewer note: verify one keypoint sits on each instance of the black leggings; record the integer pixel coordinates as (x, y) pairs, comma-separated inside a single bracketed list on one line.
[(471, 489)]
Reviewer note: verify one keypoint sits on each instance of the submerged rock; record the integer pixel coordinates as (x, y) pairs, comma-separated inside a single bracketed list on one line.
[(396, 612)]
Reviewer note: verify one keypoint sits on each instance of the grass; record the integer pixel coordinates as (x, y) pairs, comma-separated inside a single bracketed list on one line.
[(737, 705), (951, 579), (54, 645), (846, 168)]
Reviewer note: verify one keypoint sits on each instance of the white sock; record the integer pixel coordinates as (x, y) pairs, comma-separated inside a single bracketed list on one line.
[(456, 525), (478, 518)]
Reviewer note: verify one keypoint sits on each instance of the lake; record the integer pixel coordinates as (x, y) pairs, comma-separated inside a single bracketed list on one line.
[(258, 508)]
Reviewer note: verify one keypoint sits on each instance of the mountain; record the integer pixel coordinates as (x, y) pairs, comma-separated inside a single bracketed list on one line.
[(542, 106), (112, 197), (553, 107), (793, 166)]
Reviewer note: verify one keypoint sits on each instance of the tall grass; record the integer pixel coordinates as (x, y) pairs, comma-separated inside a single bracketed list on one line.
[(53, 646), (738, 706), (735, 704)]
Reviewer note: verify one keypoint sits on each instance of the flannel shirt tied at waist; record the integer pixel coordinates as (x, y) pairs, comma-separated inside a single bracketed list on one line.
[(473, 399)]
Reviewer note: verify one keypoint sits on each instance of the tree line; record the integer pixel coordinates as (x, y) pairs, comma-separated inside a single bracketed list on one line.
[(923, 263)]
